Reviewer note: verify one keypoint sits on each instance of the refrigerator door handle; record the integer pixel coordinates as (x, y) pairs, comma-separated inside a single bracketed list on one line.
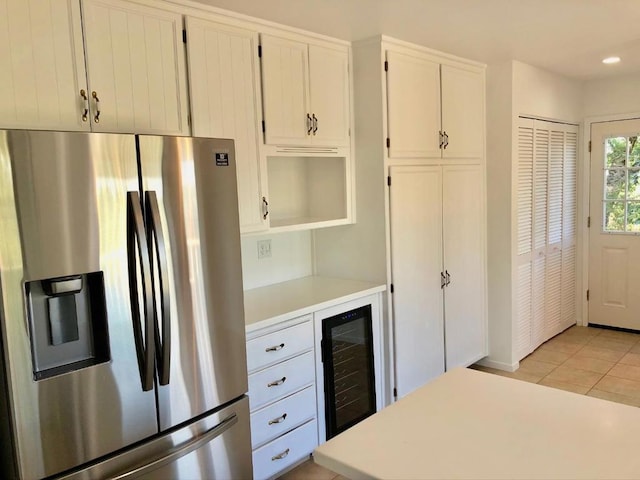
[(163, 342), (181, 450), (144, 345)]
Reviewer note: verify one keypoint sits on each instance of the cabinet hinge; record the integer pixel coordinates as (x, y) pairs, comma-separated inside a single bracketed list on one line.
[(588, 222), (395, 392), (263, 127), (389, 180), (388, 143), (587, 295), (259, 51), (184, 36), (391, 287), (589, 145), (386, 66)]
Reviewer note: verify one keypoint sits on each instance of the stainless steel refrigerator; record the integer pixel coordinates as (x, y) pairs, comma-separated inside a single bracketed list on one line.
[(121, 308)]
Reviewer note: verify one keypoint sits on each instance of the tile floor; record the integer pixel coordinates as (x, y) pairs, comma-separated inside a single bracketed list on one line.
[(590, 361)]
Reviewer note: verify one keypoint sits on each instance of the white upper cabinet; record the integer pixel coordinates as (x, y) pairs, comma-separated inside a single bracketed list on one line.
[(224, 93), (413, 99), (135, 68), (435, 109), (305, 93), (42, 69)]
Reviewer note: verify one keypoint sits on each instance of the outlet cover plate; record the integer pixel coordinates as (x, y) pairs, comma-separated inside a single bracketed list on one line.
[(264, 248)]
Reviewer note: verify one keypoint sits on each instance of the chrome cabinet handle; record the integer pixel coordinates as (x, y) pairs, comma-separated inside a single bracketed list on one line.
[(309, 124), (280, 419), (275, 348), (85, 112), (441, 138), (275, 383), (443, 280), (315, 123), (448, 278), (265, 208), (280, 456), (446, 140), (96, 118)]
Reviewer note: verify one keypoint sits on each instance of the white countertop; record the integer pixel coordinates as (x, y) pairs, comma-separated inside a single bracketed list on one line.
[(468, 424), (266, 306)]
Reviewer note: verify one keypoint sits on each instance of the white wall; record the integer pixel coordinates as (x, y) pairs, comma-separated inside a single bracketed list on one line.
[(291, 257), (612, 96), (546, 95)]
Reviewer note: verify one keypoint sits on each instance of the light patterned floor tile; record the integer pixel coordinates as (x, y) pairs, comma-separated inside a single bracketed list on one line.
[(564, 386), (626, 337), (550, 356), (591, 351), (631, 359), (524, 376), (611, 344), (536, 367), (635, 348), (614, 397), (630, 372), (622, 386), (558, 345), (574, 376), (589, 364)]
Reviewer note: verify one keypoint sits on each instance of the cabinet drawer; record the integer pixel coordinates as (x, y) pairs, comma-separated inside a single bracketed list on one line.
[(280, 380), (277, 418), (277, 346), (285, 451)]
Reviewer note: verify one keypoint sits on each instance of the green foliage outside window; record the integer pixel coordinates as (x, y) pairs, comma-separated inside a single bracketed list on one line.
[(622, 184)]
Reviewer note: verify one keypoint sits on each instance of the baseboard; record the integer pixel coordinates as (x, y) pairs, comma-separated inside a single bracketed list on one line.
[(507, 367)]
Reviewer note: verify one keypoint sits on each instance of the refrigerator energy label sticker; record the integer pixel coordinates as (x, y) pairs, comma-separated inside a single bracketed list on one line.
[(222, 159)]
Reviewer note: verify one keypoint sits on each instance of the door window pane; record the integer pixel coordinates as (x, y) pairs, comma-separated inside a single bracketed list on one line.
[(614, 216), (633, 192), (634, 152), (633, 217), (621, 206), (615, 184), (615, 151)]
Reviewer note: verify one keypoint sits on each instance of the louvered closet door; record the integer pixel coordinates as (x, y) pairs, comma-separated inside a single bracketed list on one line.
[(569, 202), (462, 231), (524, 198), (416, 262), (540, 224)]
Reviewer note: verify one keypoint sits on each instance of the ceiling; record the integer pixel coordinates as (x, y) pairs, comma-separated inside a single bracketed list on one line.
[(569, 37)]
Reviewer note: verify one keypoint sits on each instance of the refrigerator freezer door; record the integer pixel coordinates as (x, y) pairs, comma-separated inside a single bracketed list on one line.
[(63, 218), (216, 447), (194, 183)]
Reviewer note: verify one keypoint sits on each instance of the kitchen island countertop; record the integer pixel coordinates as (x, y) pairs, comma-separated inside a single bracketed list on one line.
[(468, 424)]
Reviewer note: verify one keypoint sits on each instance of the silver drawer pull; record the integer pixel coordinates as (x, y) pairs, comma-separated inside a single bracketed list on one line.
[(275, 348), (277, 382), (280, 419), (280, 456)]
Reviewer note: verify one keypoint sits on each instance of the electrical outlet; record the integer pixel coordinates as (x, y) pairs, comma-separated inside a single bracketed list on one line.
[(264, 248)]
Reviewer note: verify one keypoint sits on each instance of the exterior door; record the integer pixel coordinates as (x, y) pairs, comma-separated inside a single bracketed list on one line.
[(463, 226), (614, 241), (63, 201), (413, 99), (329, 94), (225, 104), (201, 297), (415, 204)]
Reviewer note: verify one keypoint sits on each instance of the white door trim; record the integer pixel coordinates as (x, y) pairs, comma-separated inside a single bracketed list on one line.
[(584, 184)]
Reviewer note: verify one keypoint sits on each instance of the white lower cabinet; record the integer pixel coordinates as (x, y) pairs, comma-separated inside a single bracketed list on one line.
[(282, 395)]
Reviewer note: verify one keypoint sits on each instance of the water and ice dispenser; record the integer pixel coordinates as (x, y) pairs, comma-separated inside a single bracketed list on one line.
[(68, 323)]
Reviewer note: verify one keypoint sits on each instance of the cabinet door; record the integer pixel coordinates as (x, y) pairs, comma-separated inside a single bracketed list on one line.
[(285, 91), (463, 112), (464, 263), (329, 94), (41, 65), (413, 103), (416, 263), (224, 103), (136, 67)]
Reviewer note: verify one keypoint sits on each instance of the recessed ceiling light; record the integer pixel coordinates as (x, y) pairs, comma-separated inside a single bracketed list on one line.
[(611, 60)]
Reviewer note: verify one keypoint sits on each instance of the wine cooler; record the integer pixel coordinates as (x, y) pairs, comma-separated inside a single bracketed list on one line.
[(349, 379)]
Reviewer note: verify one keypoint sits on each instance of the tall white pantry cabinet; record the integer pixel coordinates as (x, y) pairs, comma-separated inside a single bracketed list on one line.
[(430, 135)]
